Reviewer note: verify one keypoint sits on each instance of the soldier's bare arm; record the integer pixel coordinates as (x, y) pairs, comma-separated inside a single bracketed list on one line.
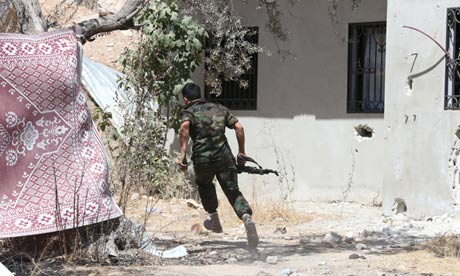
[(239, 130), (184, 135)]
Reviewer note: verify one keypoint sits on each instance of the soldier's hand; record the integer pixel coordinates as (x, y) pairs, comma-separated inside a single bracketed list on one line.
[(241, 158), (182, 163)]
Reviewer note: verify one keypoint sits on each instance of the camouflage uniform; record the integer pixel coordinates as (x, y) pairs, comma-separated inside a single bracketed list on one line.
[(212, 156)]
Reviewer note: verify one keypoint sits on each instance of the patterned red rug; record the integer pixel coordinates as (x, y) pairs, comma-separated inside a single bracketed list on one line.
[(53, 167)]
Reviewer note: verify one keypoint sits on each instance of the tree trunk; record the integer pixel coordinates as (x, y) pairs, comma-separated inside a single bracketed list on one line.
[(9, 22), (21, 16)]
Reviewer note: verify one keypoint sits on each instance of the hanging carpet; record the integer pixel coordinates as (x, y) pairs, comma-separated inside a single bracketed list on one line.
[(53, 166)]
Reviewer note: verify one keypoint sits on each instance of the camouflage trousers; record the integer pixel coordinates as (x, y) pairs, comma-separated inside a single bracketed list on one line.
[(226, 173)]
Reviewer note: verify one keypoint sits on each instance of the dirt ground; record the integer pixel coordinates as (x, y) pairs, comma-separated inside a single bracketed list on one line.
[(295, 240)]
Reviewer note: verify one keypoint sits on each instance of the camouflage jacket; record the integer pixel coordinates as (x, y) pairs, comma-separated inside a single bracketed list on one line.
[(207, 130)]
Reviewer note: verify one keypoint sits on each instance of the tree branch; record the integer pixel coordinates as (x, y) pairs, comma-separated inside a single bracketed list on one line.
[(123, 20)]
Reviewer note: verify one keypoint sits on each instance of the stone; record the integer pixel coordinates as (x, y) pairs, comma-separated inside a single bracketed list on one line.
[(232, 260), (281, 230), (287, 272), (353, 256), (304, 241), (271, 259), (361, 246), (193, 204), (332, 237)]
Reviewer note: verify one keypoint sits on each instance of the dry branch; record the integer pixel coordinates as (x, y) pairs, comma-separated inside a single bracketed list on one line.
[(123, 20)]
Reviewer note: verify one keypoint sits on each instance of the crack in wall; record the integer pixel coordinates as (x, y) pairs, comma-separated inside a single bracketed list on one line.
[(454, 171)]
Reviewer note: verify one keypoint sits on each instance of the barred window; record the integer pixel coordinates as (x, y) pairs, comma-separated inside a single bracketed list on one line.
[(366, 67), (452, 85), (233, 96)]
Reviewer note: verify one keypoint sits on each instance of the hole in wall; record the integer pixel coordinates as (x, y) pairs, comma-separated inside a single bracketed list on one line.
[(364, 131), (399, 206)]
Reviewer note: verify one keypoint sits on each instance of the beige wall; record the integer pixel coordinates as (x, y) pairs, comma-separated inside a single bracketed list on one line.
[(420, 135), (301, 126)]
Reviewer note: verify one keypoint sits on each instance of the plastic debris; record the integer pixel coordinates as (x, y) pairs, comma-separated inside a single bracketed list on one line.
[(176, 252)]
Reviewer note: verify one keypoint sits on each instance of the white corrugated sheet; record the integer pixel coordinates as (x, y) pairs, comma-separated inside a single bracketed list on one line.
[(101, 82)]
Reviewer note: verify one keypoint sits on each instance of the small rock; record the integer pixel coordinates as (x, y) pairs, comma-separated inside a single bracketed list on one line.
[(304, 241), (111, 44), (212, 253), (193, 204), (332, 237), (353, 256), (367, 233), (232, 260), (271, 259), (288, 238), (287, 272), (281, 230), (322, 263), (361, 246), (135, 196), (349, 240)]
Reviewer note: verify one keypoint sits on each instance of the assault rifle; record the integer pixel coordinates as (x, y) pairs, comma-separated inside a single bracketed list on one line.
[(250, 169)]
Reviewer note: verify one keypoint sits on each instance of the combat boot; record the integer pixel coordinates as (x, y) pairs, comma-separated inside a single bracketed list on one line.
[(251, 231), (213, 223)]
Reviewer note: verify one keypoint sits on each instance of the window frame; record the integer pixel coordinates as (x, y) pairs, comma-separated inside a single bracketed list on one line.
[(355, 98), (232, 92), (452, 87)]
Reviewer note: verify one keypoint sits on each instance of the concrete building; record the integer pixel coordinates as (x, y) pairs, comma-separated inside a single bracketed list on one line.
[(360, 112)]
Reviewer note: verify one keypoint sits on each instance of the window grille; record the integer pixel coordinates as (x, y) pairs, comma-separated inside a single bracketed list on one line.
[(233, 96), (366, 67), (452, 86)]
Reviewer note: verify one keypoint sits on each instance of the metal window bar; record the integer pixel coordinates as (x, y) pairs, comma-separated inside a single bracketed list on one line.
[(233, 96), (366, 67), (452, 79)]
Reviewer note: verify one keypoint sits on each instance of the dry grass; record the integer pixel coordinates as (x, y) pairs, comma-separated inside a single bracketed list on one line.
[(271, 210), (446, 246)]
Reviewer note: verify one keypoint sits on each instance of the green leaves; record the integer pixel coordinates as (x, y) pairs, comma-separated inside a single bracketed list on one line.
[(167, 55)]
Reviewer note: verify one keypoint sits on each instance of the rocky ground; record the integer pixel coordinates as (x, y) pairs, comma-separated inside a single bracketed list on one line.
[(309, 238)]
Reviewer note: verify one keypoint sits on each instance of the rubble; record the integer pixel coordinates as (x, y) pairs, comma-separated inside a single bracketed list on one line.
[(271, 259), (361, 246), (332, 238)]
